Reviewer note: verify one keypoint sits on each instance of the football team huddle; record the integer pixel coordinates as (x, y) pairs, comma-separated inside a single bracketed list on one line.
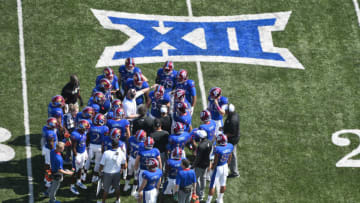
[(140, 133)]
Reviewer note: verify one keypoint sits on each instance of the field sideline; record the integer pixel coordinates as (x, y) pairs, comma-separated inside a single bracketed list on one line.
[(287, 116)]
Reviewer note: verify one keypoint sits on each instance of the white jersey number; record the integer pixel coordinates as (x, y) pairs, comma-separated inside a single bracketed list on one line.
[(346, 161)]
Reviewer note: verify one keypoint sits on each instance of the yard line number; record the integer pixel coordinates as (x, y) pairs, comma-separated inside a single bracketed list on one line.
[(6, 152), (346, 161)]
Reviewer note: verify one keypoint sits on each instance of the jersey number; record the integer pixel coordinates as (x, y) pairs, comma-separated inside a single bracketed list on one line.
[(346, 161), (7, 153)]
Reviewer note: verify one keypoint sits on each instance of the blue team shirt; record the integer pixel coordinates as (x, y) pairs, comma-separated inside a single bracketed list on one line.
[(189, 87), (100, 108), (96, 134), (56, 161), (174, 167), (98, 89), (79, 117), (135, 147), (215, 115), (184, 119), (107, 143), (178, 140), (157, 103), (55, 112), (48, 135), (152, 178), (131, 85), (114, 82), (120, 124), (223, 153), (80, 139), (147, 154), (210, 129), (185, 177), (126, 74), (168, 81)]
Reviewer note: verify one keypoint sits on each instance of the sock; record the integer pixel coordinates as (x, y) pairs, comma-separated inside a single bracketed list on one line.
[(221, 195), (127, 182), (209, 199)]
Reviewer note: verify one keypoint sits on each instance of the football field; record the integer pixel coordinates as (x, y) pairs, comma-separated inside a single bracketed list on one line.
[(288, 115)]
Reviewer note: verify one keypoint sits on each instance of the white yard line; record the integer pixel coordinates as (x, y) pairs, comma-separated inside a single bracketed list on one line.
[(356, 5), (25, 100), (198, 66)]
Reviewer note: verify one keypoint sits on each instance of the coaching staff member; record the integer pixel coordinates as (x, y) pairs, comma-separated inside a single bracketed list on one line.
[(202, 162), (185, 182), (232, 131), (71, 92), (111, 164), (57, 170)]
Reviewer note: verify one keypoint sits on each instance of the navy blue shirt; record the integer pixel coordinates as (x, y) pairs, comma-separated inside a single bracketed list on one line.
[(185, 177), (56, 161)]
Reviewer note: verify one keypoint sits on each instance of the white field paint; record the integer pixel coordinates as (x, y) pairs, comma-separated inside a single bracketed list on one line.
[(198, 65), (106, 59), (233, 43), (346, 161), (25, 101), (6, 152), (357, 10)]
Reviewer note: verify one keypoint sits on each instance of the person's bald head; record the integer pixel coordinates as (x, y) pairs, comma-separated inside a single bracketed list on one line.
[(60, 147)]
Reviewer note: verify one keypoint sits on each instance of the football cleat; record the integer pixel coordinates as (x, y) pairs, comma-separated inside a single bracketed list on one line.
[(81, 185), (74, 190)]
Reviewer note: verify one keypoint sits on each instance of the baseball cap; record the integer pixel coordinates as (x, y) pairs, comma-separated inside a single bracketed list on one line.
[(163, 109)]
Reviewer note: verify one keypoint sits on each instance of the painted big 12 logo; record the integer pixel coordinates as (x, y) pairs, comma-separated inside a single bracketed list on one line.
[(346, 161), (6, 152)]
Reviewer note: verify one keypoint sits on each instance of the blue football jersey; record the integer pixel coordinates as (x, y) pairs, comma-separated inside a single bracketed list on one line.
[(48, 135), (215, 115), (152, 178), (223, 153), (107, 143), (184, 119), (80, 139), (157, 103), (114, 82), (126, 74), (210, 129), (96, 134), (174, 166), (147, 154), (168, 81), (80, 117), (55, 112), (135, 146), (189, 87), (98, 89), (120, 124), (178, 140)]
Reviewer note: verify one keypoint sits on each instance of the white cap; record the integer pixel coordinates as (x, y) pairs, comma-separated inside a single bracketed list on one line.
[(229, 107), (163, 109), (201, 133)]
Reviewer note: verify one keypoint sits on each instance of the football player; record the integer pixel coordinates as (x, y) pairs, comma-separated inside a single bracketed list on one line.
[(166, 76), (121, 123), (96, 135), (179, 139), (138, 83), (104, 86), (78, 139), (220, 169), (86, 114), (108, 73), (208, 125), (183, 115), (55, 108), (148, 190), (48, 140), (136, 144), (116, 103), (115, 134), (99, 103), (145, 154), (157, 98), (216, 106), (127, 71), (182, 82), (173, 165)]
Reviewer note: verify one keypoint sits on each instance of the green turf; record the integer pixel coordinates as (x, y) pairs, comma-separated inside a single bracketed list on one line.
[(287, 116)]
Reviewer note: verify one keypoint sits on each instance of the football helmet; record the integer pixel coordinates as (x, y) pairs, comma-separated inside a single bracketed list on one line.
[(178, 128), (87, 112), (205, 116), (115, 133), (182, 76), (138, 80), (108, 73), (51, 123), (159, 91), (176, 153), (119, 113), (105, 84), (179, 95), (140, 136), (151, 164), (99, 119), (181, 107), (116, 104), (83, 125), (99, 98), (221, 139), (57, 101), (149, 143), (215, 93), (168, 67), (130, 64)]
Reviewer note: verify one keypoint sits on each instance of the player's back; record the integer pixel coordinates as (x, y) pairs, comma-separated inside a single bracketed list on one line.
[(223, 153), (174, 167), (210, 129), (96, 134), (146, 154), (179, 140), (135, 146), (152, 178)]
